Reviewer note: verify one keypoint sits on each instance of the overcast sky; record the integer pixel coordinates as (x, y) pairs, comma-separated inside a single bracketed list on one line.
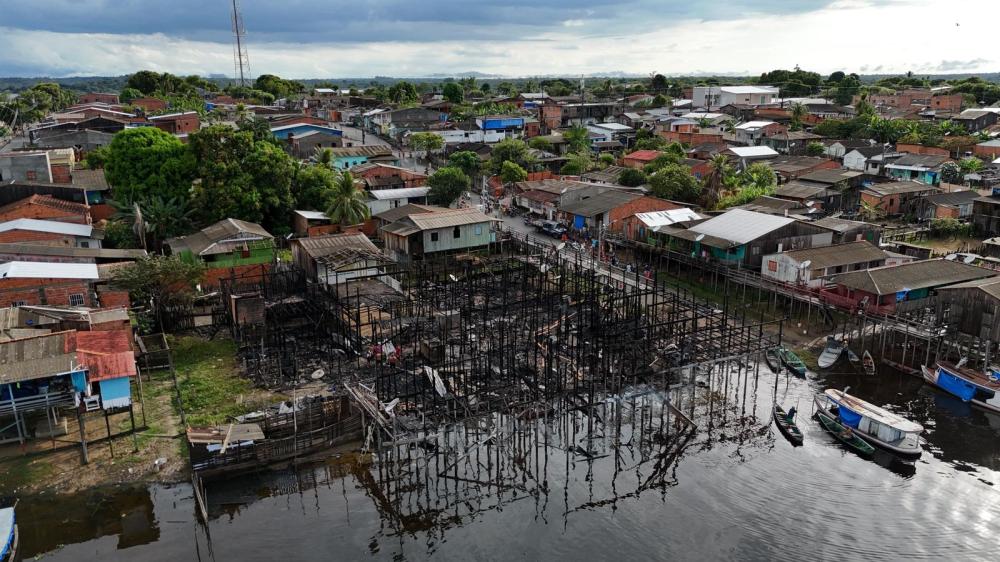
[(361, 38)]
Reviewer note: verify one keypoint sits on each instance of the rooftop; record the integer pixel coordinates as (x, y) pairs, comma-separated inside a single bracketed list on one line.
[(53, 227), (401, 193), (370, 151), (887, 280), (899, 187), (838, 224), (656, 219), (320, 246), (219, 238), (599, 202), (953, 198), (47, 270), (753, 151), (643, 155), (919, 161), (830, 176), (754, 125), (393, 215), (838, 255), (740, 226)]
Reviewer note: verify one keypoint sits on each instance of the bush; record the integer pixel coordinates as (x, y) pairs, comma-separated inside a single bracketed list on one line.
[(631, 177), (949, 227)]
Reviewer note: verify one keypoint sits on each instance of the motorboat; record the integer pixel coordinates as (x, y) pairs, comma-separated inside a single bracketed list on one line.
[(8, 535), (969, 385), (874, 424)]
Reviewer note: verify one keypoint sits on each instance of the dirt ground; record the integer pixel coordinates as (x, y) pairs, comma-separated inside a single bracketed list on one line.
[(56, 463)]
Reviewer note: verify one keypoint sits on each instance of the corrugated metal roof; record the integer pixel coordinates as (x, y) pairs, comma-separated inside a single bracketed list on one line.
[(54, 227), (318, 246), (989, 285), (212, 239), (837, 255), (600, 202), (754, 125), (911, 276), (393, 215), (451, 217), (838, 224), (657, 219), (29, 249), (313, 215), (753, 151), (47, 270), (741, 226), (898, 187), (401, 193)]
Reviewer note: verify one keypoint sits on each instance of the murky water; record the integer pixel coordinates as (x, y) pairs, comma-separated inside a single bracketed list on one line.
[(622, 481)]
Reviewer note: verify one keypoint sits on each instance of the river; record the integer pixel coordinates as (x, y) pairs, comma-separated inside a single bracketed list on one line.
[(624, 481)]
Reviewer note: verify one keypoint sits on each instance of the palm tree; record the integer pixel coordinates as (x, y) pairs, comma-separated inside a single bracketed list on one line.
[(578, 138), (347, 202), (155, 219), (718, 176), (798, 112), (323, 155)]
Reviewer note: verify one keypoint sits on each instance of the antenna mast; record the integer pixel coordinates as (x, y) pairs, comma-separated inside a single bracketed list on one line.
[(240, 58)]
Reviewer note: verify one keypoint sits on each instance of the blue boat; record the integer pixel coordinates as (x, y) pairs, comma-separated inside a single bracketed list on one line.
[(8, 535), (876, 425), (969, 385)]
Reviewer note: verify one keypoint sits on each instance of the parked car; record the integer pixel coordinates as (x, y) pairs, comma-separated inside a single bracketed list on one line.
[(552, 228)]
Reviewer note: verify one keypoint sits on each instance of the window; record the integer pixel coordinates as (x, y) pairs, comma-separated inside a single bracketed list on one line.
[(19, 303), (76, 300), (457, 233), (772, 265), (434, 237), (478, 230), (84, 244), (31, 175)]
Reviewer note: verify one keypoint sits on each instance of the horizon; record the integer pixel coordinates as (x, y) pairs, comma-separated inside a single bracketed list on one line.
[(447, 38)]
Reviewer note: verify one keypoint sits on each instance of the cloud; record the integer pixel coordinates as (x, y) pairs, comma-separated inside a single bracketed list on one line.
[(314, 39)]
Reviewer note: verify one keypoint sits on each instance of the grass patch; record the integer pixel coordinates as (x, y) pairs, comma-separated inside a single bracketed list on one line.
[(22, 471), (210, 385)]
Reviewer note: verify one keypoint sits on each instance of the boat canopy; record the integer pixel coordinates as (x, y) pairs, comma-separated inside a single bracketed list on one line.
[(873, 412)]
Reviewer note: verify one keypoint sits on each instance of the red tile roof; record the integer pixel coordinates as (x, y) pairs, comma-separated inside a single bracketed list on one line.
[(643, 155)]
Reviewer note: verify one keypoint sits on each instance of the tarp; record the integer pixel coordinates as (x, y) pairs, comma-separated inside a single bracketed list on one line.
[(79, 379), (849, 417), (954, 385), (115, 393)]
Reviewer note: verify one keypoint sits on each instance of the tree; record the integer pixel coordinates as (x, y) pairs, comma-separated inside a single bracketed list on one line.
[(651, 143), (718, 175), (241, 177), (129, 94), (346, 204), (577, 138), (659, 100), (970, 165), (815, 149), (658, 83), (467, 161), (675, 182), (453, 92), (145, 81), (631, 177), (403, 92), (951, 173), (605, 160), (276, 86), (159, 281), (798, 112), (511, 172), (578, 163), (447, 185), (96, 158), (312, 186), (511, 150), (540, 143), (148, 161), (426, 142), (661, 161)]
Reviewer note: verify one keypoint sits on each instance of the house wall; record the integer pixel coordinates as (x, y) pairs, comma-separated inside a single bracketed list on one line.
[(985, 151), (974, 312), (855, 161), (693, 138), (929, 177), (213, 275), (986, 217), (95, 97), (47, 239), (470, 236), (39, 292), (332, 276), (15, 166), (150, 104), (921, 149)]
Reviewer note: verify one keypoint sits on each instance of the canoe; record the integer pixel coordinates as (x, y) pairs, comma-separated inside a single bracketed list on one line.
[(787, 428), (831, 353), (773, 361), (853, 357), (868, 363), (8, 535), (792, 361), (851, 441)]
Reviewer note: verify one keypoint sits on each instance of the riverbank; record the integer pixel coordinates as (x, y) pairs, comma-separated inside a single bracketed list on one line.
[(211, 391)]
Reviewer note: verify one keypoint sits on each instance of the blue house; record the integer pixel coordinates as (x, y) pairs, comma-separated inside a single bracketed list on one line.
[(347, 157)]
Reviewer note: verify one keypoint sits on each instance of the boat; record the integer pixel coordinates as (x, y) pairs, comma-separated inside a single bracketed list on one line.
[(792, 361), (969, 385), (868, 363), (845, 436), (831, 353), (852, 357), (8, 535), (876, 425), (788, 428), (773, 361)]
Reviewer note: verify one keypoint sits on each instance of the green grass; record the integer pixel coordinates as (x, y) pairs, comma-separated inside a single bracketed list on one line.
[(22, 471), (209, 382)]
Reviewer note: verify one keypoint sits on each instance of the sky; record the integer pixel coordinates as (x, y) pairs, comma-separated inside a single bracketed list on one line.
[(414, 38)]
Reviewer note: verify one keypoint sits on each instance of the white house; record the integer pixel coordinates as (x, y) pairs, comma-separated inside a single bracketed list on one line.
[(384, 199), (458, 136), (868, 159), (719, 96), (752, 131)]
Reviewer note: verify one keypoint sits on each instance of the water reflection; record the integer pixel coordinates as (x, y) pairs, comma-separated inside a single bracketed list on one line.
[(694, 471)]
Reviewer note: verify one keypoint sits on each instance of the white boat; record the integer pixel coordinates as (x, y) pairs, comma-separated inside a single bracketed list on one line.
[(831, 353), (969, 385), (8, 535), (878, 426)]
